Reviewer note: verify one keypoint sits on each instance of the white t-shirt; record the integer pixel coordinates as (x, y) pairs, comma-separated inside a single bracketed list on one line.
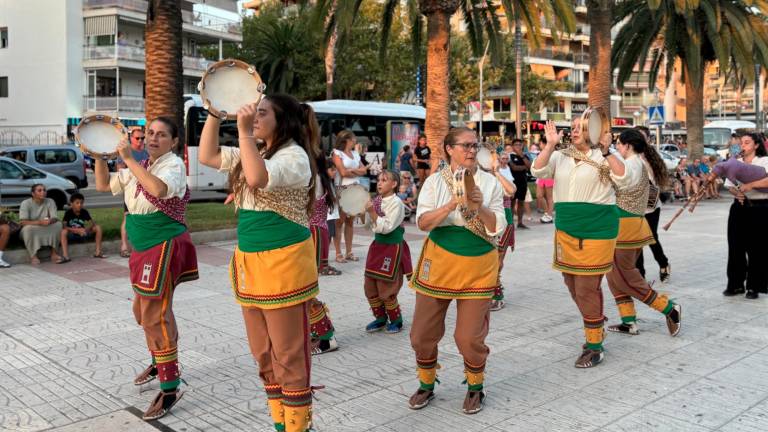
[(349, 163)]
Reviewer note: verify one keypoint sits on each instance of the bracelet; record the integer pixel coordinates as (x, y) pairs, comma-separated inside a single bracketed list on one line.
[(605, 155)]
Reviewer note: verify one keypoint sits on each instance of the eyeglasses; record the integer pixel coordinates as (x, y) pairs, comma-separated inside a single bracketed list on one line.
[(473, 146), (139, 138)]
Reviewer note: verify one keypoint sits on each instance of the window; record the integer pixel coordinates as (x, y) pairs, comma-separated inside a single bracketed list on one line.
[(4, 87), (9, 171), (48, 157), (3, 37), (19, 155)]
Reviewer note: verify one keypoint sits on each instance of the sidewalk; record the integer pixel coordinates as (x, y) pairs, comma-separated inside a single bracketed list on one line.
[(69, 349)]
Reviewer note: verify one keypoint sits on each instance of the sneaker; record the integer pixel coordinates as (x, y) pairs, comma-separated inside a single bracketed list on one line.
[(394, 327), (733, 292), (375, 326), (322, 346), (474, 402), (420, 399), (630, 329), (4, 264), (673, 320), (589, 358), (752, 295), (664, 273), (497, 305), (546, 219)]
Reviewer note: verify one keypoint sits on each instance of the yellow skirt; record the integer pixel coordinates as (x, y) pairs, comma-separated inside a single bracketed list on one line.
[(634, 233), (582, 256), (445, 275), (276, 278)]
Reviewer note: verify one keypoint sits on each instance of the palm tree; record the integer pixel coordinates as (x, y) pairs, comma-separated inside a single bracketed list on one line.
[(600, 70), (727, 31), (164, 72)]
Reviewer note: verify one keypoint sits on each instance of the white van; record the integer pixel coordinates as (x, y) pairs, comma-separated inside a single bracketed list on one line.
[(717, 134)]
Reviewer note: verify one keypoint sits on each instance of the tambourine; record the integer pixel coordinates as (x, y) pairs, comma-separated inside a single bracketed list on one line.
[(352, 199), (228, 85), (486, 155), (463, 184), (99, 135), (594, 125)]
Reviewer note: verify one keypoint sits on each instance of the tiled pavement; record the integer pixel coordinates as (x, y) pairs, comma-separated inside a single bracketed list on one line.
[(69, 349)]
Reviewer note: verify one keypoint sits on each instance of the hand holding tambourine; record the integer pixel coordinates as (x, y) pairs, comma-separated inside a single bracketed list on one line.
[(475, 199), (245, 117), (605, 142), (124, 150)]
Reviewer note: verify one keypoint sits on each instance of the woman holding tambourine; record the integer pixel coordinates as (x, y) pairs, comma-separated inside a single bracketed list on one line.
[(349, 168), (586, 217), (156, 196), (462, 209), (274, 268)]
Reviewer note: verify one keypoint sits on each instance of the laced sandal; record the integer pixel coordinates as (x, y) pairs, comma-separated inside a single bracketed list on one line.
[(321, 346), (624, 328), (420, 399), (474, 402), (162, 404), (589, 358), (351, 257), (340, 259), (148, 375), (330, 271), (673, 320)]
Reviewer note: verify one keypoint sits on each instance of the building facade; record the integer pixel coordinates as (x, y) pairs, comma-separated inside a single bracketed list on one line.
[(63, 59)]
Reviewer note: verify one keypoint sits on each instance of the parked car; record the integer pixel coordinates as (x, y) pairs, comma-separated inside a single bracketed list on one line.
[(17, 178), (671, 149), (670, 161), (63, 160)]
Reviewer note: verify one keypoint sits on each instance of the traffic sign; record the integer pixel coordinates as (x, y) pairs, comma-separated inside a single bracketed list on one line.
[(656, 115)]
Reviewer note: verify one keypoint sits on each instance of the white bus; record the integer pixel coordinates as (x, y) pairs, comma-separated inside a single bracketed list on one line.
[(372, 122), (717, 134)]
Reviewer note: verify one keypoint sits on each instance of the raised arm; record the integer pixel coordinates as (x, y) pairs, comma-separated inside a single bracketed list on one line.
[(209, 153), (150, 182), (553, 137), (254, 168), (101, 172)]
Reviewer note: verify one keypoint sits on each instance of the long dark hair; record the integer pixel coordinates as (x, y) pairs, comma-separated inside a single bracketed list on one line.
[(292, 124), (759, 143), (637, 141)]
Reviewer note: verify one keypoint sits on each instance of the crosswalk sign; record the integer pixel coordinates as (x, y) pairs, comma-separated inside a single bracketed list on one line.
[(656, 115)]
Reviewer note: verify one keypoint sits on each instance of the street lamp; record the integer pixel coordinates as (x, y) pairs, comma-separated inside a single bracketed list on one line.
[(637, 117), (480, 65)]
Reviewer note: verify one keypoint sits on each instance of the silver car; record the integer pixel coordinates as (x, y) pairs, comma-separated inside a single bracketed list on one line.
[(63, 160), (17, 178)]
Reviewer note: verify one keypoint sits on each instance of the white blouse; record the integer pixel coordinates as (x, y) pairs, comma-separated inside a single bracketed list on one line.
[(394, 214), (580, 182), (169, 168), (287, 168), (349, 163), (435, 193)]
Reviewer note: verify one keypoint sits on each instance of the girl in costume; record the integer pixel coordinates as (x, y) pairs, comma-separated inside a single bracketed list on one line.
[(625, 280), (460, 261), (503, 174), (163, 256), (321, 327), (274, 268), (586, 223), (389, 257)]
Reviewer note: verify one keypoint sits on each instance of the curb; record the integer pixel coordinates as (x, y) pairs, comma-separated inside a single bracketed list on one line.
[(112, 247)]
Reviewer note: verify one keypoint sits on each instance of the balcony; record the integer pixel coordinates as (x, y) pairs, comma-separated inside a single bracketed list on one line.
[(551, 54), (197, 19), (196, 63), (137, 54), (130, 104)]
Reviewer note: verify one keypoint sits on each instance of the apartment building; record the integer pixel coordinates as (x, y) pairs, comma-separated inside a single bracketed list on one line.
[(62, 59)]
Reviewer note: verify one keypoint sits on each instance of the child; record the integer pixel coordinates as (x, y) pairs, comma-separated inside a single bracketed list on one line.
[(78, 227), (389, 258), (406, 198)]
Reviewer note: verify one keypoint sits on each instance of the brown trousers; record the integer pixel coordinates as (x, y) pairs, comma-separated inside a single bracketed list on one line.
[(588, 296), (625, 278), (279, 342), (472, 322), (155, 316), (381, 289)]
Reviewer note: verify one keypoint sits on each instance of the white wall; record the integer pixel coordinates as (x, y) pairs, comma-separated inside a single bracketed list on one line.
[(42, 63)]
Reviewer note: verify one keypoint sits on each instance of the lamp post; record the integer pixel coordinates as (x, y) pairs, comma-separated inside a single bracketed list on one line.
[(480, 65), (637, 117)]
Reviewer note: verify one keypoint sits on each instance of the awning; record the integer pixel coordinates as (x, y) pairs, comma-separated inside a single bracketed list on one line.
[(544, 71), (100, 25)]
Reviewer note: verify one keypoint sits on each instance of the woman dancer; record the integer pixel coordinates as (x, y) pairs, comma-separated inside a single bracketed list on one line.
[(586, 223), (625, 280), (274, 269), (156, 196), (349, 168), (458, 261)]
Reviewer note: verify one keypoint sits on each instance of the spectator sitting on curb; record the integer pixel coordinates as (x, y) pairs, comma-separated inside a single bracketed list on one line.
[(5, 235), (40, 227), (79, 227)]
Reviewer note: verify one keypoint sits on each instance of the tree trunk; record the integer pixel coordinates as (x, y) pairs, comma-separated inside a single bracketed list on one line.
[(518, 80), (600, 71), (438, 77), (694, 114), (330, 55), (164, 72)]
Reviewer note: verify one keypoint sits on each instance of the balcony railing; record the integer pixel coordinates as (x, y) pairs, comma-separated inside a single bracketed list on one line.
[(134, 5), (137, 54), (114, 103), (196, 63), (551, 54)]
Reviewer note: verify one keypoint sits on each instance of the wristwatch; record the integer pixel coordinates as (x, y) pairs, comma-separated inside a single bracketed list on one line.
[(608, 153)]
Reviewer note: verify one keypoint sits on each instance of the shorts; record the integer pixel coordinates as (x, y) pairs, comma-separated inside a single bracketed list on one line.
[(522, 190), (547, 183), (74, 238), (422, 165), (332, 228)]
